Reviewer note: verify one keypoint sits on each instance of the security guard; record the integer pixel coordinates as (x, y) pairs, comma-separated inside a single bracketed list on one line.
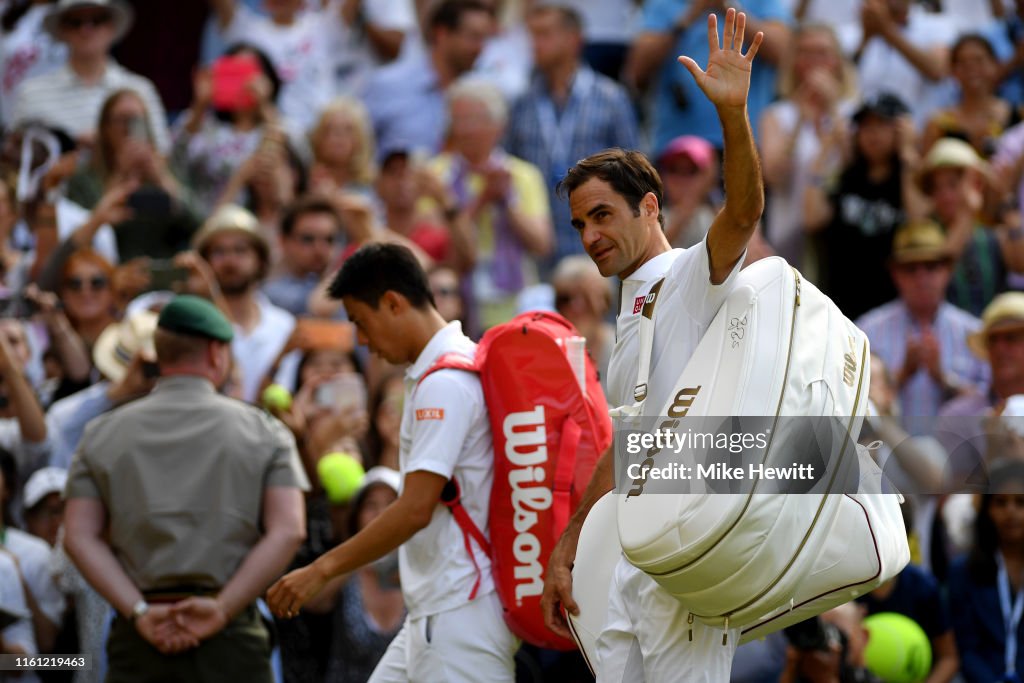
[(182, 508)]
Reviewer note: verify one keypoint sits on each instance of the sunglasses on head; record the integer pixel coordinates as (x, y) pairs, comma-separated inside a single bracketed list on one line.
[(96, 283), (95, 20)]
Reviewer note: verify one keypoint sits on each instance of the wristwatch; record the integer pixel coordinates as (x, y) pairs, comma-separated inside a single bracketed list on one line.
[(139, 609)]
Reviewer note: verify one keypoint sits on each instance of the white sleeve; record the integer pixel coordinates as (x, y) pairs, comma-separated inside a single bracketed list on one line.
[(12, 599), (692, 274), (396, 15), (36, 568), (444, 408), (242, 26)]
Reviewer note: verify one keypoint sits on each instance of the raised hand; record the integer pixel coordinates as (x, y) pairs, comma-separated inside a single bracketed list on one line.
[(113, 205), (136, 381), (931, 354), (201, 279), (727, 79)]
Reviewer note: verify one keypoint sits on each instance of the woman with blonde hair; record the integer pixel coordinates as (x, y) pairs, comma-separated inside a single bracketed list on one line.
[(343, 148), (817, 88), (127, 170)]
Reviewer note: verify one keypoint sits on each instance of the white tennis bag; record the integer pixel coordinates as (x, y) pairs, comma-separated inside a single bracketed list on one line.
[(762, 561)]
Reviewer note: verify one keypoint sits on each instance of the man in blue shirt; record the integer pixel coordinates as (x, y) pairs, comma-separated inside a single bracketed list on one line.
[(406, 98), (568, 112), (670, 28)]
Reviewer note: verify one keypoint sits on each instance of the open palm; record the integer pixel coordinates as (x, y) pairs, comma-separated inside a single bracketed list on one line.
[(726, 81)]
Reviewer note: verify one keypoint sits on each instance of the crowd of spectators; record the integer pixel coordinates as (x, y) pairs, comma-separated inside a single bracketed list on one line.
[(275, 137)]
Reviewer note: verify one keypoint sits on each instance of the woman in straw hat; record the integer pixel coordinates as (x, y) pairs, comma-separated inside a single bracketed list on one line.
[(956, 179)]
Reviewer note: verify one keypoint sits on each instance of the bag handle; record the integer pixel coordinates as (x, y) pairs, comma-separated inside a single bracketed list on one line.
[(646, 349), (565, 471)]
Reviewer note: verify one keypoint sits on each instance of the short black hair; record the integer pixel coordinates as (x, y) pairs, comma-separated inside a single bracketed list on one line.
[(968, 39), (448, 14), (630, 173), (306, 205), (382, 267)]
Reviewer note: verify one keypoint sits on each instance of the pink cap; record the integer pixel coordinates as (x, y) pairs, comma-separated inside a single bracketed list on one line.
[(697, 149)]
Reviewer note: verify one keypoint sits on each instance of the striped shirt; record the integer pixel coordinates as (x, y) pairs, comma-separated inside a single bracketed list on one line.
[(60, 98), (888, 328), (598, 115)]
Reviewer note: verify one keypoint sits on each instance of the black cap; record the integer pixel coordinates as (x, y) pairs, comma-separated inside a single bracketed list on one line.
[(885, 105)]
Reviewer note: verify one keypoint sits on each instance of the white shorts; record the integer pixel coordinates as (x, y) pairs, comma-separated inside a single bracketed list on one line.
[(646, 638), (467, 644)]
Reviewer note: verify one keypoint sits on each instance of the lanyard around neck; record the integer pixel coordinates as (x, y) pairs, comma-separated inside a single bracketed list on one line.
[(558, 131), (1011, 613)]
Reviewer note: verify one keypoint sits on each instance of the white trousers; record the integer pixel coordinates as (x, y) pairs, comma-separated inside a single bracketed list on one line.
[(646, 637), (467, 644)]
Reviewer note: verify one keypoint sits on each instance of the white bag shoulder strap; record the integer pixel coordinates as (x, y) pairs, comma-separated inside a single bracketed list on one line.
[(646, 337)]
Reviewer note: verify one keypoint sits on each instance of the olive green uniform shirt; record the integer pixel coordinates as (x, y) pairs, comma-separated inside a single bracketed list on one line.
[(182, 473)]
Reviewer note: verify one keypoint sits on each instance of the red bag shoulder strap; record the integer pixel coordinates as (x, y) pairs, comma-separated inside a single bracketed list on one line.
[(451, 495), (450, 361)]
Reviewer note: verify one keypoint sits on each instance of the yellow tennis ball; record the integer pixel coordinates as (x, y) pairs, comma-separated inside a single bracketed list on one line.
[(341, 475), (276, 397), (898, 650)]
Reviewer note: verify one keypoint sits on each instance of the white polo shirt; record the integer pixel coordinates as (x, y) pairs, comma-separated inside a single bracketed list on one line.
[(445, 430), (685, 307)]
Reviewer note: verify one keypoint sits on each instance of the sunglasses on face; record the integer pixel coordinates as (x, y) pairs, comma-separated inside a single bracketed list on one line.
[(926, 266), (682, 171), (237, 250), (309, 240), (94, 20), (445, 291), (563, 299), (97, 283)]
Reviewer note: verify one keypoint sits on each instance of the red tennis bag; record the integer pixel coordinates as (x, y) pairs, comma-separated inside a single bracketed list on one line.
[(548, 434)]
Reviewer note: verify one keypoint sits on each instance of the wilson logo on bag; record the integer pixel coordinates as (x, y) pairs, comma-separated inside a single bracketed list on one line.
[(548, 433)]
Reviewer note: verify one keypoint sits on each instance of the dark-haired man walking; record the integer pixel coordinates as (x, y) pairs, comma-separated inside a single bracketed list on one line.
[(455, 631)]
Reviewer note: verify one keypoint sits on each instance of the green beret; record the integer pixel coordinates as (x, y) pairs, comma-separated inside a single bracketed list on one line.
[(193, 315)]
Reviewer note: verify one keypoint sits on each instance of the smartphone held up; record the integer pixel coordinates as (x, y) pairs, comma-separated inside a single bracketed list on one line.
[(231, 77), (342, 393)]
